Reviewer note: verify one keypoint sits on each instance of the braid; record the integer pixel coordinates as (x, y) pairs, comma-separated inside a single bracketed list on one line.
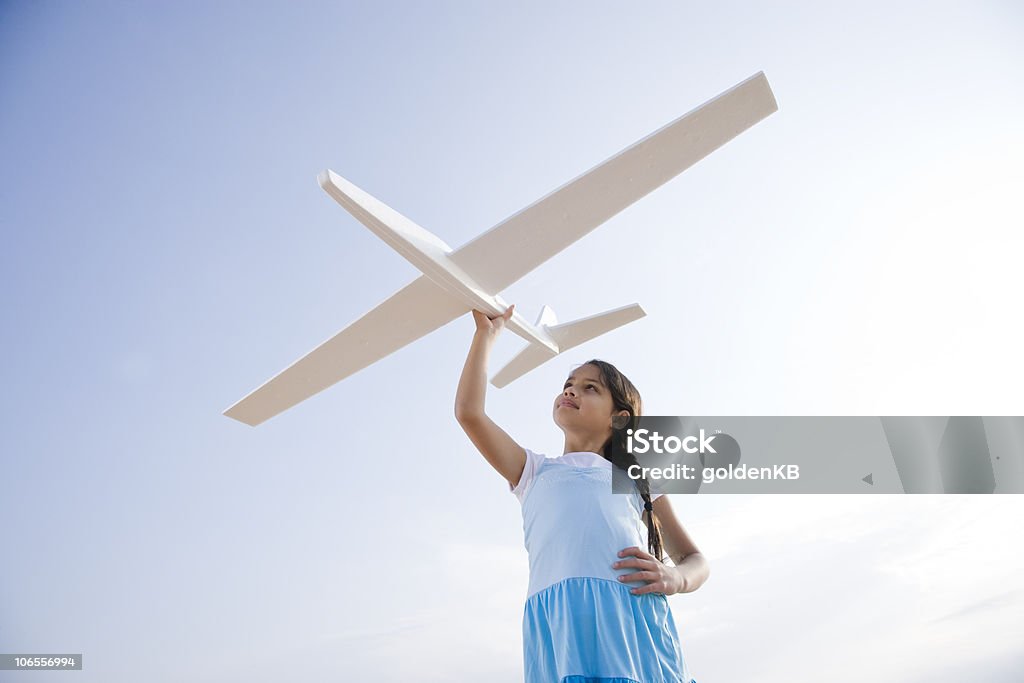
[(626, 397), (653, 529), (615, 451)]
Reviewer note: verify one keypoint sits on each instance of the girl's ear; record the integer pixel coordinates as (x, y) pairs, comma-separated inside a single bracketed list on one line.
[(620, 419)]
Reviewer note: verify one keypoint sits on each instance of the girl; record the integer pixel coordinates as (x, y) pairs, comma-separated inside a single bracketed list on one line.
[(596, 609)]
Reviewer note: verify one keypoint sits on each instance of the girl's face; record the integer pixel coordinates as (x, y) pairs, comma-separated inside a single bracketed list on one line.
[(585, 405)]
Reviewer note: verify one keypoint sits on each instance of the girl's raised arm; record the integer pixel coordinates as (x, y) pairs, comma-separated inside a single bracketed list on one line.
[(498, 448)]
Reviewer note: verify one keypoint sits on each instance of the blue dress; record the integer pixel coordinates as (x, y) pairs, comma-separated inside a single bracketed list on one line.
[(580, 623)]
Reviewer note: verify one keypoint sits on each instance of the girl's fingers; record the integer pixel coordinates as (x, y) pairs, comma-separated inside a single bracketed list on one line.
[(655, 587), (641, 564), (637, 562), (483, 322), (638, 576), (479, 316)]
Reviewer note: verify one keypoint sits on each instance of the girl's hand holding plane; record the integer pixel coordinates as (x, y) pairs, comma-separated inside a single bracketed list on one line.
[(492, 325)]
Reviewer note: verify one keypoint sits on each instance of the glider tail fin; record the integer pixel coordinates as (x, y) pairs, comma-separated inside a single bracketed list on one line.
[(566, 336)]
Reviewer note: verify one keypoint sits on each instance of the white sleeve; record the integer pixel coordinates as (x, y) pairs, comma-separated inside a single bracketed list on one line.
[(532, 461), (656, 496)]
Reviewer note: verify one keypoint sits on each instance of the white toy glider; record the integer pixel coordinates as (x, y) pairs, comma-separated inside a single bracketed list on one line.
[(455, 281)]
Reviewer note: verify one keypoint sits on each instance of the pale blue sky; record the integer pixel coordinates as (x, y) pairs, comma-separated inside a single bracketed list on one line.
[(166, 249)]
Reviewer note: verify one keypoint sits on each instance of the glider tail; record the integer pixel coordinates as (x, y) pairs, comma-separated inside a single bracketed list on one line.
[(566, 336)]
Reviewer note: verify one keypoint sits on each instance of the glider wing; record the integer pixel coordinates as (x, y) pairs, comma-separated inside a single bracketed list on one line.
[(520, 243), (410, 313)]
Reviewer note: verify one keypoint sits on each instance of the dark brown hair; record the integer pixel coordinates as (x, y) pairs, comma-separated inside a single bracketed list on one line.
[(626, 397)]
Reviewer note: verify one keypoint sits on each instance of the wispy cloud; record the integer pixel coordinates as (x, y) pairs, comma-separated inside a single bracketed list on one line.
[(845, 587), (1003, 600)]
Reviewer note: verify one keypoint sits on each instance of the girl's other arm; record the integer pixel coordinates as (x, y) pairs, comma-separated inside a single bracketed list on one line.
[(691, 564), (498, 448)]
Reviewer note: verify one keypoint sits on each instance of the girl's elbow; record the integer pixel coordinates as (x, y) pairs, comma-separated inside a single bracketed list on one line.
[(707, 571), (466, 414)]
